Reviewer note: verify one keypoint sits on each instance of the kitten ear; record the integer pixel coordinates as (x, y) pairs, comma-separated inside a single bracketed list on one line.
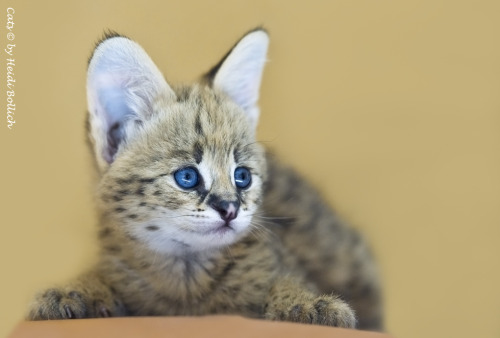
[(240, 72), (123, 84)]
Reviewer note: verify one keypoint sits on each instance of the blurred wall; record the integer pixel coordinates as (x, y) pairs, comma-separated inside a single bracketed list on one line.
[(391, 108)]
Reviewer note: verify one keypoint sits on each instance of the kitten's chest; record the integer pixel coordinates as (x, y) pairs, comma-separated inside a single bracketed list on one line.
[(233, 281)]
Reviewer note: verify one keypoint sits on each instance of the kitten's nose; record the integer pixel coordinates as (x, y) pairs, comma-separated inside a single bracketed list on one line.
[(228, 210)]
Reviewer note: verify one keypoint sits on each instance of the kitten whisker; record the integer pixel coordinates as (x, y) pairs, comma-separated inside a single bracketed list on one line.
[(164, 217), (262, 229), (274, 218)]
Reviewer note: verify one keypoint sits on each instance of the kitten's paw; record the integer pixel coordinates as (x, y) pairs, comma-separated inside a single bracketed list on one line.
[(334, 312), (59, 304), (324, 310)]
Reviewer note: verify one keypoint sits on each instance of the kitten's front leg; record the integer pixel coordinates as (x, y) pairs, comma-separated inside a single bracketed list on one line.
[(288, 300), (87, 297)]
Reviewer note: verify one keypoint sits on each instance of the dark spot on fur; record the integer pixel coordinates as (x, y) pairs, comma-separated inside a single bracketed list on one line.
[(248, 241), (117, 198), (237, 155), (225, 271), (113, 249), (180, 242), (123, 192), (140, 191), (198, 152), (183, 94), (152, 227), (132, 216), (197, 124), (147, 180), (144, 265), (157, 193), (142, 204), (203, 193), (180, 154), (268, 186), (105, 232), (125, 180), (258, 200), (188, 269), (173, 204), (119, 209), (242, 196), (132, 238), (259, 287)]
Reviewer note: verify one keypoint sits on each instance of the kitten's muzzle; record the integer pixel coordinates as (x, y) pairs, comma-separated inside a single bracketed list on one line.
[(228, 210)]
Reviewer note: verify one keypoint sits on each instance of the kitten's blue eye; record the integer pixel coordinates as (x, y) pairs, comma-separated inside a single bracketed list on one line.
[(186, 178), (242, 177)]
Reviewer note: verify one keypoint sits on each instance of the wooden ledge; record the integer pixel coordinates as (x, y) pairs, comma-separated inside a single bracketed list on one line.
[(185, 327)]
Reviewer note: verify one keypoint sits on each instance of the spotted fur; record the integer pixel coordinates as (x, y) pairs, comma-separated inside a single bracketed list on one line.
[(165, 250)]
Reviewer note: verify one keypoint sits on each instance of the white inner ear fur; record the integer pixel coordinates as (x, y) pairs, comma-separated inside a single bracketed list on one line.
[(240, 74), (122, 86)]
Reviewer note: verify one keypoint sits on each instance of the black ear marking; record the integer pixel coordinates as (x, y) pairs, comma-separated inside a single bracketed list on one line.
[(210, 75), (107, 34)]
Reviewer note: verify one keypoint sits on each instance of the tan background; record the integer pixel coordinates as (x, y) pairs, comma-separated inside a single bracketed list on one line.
[(392, 108)]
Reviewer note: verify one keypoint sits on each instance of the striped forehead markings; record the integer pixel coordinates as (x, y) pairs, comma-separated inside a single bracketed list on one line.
[(197, 124), (198, 152)]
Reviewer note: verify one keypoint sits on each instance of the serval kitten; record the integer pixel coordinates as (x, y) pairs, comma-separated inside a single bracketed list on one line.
[(196, 216)]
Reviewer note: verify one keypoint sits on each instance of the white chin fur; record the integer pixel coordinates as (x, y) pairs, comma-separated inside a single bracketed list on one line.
[(201, 236)]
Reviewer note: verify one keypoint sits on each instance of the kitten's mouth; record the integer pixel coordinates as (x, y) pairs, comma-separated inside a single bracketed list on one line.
[(220, 230)]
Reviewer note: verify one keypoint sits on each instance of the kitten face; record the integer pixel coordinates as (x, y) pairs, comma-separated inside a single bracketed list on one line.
[(207, 133), (180, 169)]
